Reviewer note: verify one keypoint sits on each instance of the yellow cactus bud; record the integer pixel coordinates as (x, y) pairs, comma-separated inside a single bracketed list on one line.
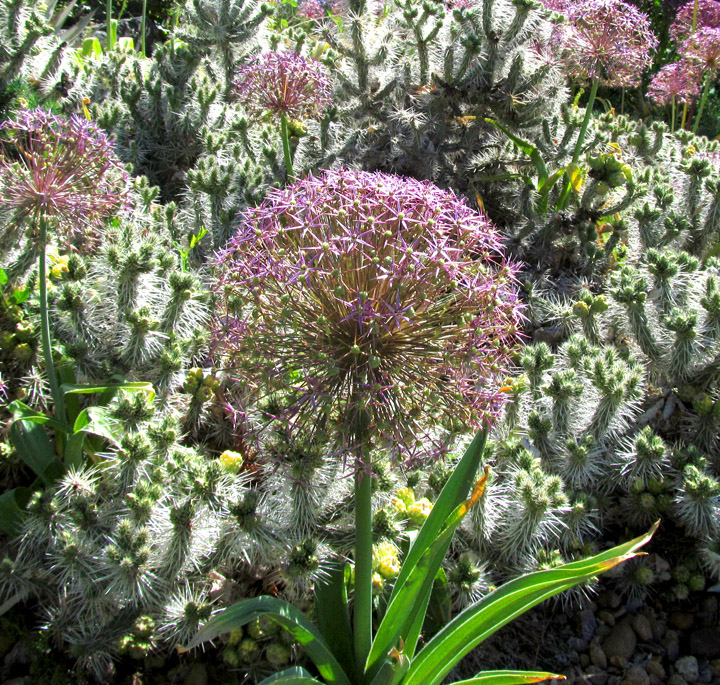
[(231, 461)]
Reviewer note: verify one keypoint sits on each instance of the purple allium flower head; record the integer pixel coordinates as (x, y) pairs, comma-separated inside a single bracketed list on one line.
[(605, 39), (311, 9), (679, 80), (284, 83), (369, 297), (703, 49), (60, 169), (708, 15)]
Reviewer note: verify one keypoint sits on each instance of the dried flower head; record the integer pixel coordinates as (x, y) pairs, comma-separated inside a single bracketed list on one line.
[(62, 170), (369, 299), (708, 15), (703, 49), (284, 83), (679, 81), (605, 39)]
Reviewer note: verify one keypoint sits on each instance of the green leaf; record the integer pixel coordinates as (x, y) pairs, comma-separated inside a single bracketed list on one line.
[(20, 296), (438, 613), (91, 46), (12, 504), (75, 389), (469, 628), (286, 615), (333, 617), (35, 449), (3, 277), (290, 676), (528, 148), (21, 411), (412, 589), (509, 678)]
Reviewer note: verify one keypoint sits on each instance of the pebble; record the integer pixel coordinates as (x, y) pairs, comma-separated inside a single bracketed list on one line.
[(198, 675), (705, 642), (597, 675), (586, 624), (606, 617), (687, 667), (609, 600), (671, 643), (681, 620), (676, 679), (641, 626), (597, 656), (655, 668), (620, 642), (636, 676), (715, 667)]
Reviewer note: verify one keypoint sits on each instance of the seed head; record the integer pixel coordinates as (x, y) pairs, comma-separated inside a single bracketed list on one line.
[(284, 83), (60, 169), (678, 80), (605, 39), (369, 299), (708, 15)]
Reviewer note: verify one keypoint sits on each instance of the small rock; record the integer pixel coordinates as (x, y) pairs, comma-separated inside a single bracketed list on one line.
[(641, 626), (597, 656), (655, 668), (687, 667), (596, 675), (715, 667), (614, 680), (654, 680), (586, 624), (549, 334), (671, 642), (621, 642), (710, 605), (636, 676), (681, 620), (618, 661), (197, 675), (606, 617), (705, 674), (705, 642), (676, 679), (609, 600)]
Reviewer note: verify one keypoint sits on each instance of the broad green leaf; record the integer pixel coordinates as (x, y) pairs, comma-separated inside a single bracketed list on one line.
[(22, 412), (482, 619), (392, 672), (20, 296), (412, 589), (3, 277), (35, 449), (74, 389), (333, 617), (528, 148), (66, 373), (286, 615), (438, 612), (509, 678), (12, 505), (290, 676)]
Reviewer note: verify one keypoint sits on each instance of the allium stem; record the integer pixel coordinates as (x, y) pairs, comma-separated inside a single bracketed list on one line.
[(142, 29), (45, 330), (109, 42), (563, 201), (703, 100), (285, 135), (672, 119), (363, 562)]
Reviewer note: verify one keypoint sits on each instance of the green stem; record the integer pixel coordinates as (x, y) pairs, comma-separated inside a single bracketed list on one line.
[(672, 117), (109, 42), (565, 197), (703, 100), (285, 135), (142, 28), (45, 331), (363, 562)]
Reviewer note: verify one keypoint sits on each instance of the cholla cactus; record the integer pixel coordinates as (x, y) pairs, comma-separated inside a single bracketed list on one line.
[(374, 318)]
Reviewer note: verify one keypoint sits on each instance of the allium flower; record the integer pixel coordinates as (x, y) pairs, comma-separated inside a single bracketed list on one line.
[(679, 81), (605, 39), (284, 83), (59, 169), (703, 49), (311, 9), (368, 299), (708, 15)]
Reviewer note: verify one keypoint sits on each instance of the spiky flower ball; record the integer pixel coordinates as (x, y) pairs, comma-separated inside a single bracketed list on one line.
[(702, 12), (679, 82), (59, 169), (284, 83), (370, 302), (605, 39), (703, 49)]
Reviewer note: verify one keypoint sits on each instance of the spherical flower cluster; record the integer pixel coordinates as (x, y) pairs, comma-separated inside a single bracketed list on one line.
[(284, 84), (369, 299), (311, 9), (703, 49), (62, 170), (678, 81), (605, 39), (708, 15)]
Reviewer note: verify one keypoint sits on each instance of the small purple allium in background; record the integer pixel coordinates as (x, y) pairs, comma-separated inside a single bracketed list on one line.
[(679, 81), (284, 83), (368, 298), (606, 40), (708, 15), (703, 49), (61, 170)]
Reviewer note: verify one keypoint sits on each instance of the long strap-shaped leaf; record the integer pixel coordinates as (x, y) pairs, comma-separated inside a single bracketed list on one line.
[(295, 675), (290, 618), (396, 621), (509, 678), (482, 619)]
